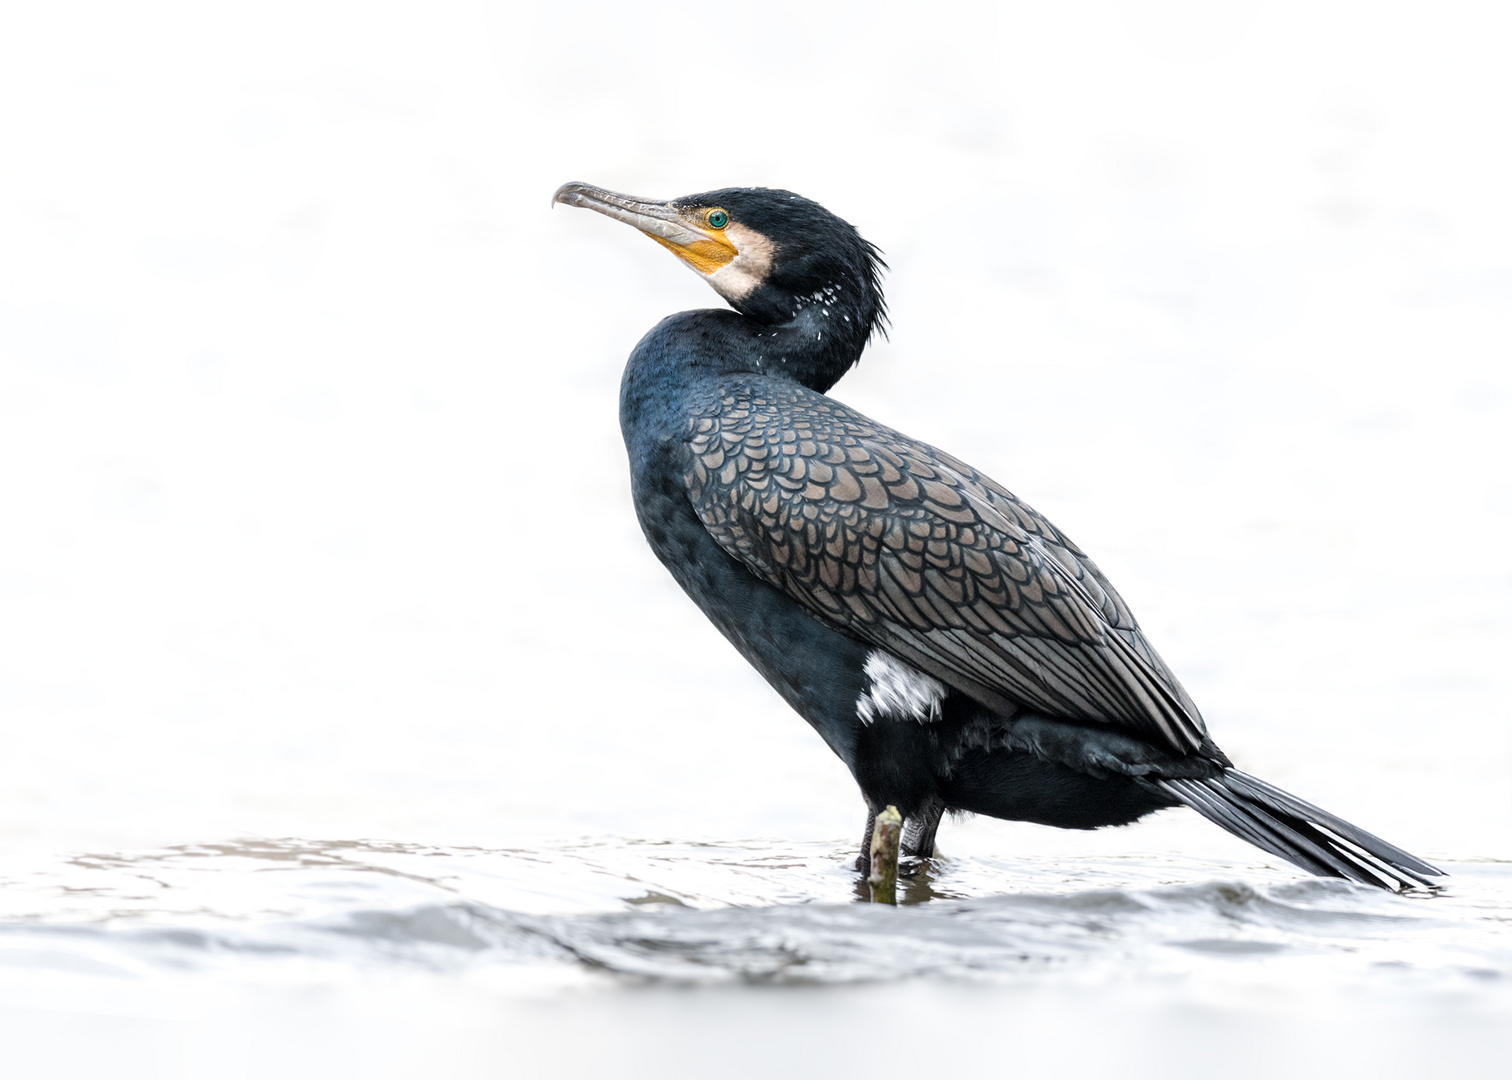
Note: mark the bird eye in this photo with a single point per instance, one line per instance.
(718, 219)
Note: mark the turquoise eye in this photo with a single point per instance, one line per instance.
(718, 219)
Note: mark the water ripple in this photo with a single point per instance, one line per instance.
(734, 913)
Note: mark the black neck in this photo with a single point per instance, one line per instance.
(812, 337)
(684, 349)
(814, 348)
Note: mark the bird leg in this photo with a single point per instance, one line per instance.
(883, 878)
(863, 860)
(919, 836)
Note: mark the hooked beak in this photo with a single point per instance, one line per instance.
(704, 250)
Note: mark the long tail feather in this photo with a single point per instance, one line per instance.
(1299, 832)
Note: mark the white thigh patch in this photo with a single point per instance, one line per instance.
(898, 691)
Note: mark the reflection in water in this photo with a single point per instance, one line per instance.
(916, 883)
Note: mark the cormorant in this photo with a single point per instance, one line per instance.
(955, 649)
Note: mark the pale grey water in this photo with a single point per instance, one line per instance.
(348, 727)
(195, 942)
(739, 913)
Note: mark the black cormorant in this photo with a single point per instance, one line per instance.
(955, 649)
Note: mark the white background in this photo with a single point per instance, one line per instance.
(314, 519)
(314, 507)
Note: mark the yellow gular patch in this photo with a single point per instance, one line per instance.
(705, 255)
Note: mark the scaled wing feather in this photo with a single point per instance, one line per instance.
(908, 548)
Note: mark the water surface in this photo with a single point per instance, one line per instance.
(189, 938)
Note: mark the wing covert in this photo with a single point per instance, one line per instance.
(915, 551)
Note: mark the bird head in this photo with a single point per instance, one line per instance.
(771, 254)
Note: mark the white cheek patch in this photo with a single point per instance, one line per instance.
(898, 691)
(742, 275)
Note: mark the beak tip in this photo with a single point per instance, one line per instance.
(567, 193)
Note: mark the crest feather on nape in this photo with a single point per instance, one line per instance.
(875, 267)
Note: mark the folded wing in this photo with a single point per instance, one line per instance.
(907, 548)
